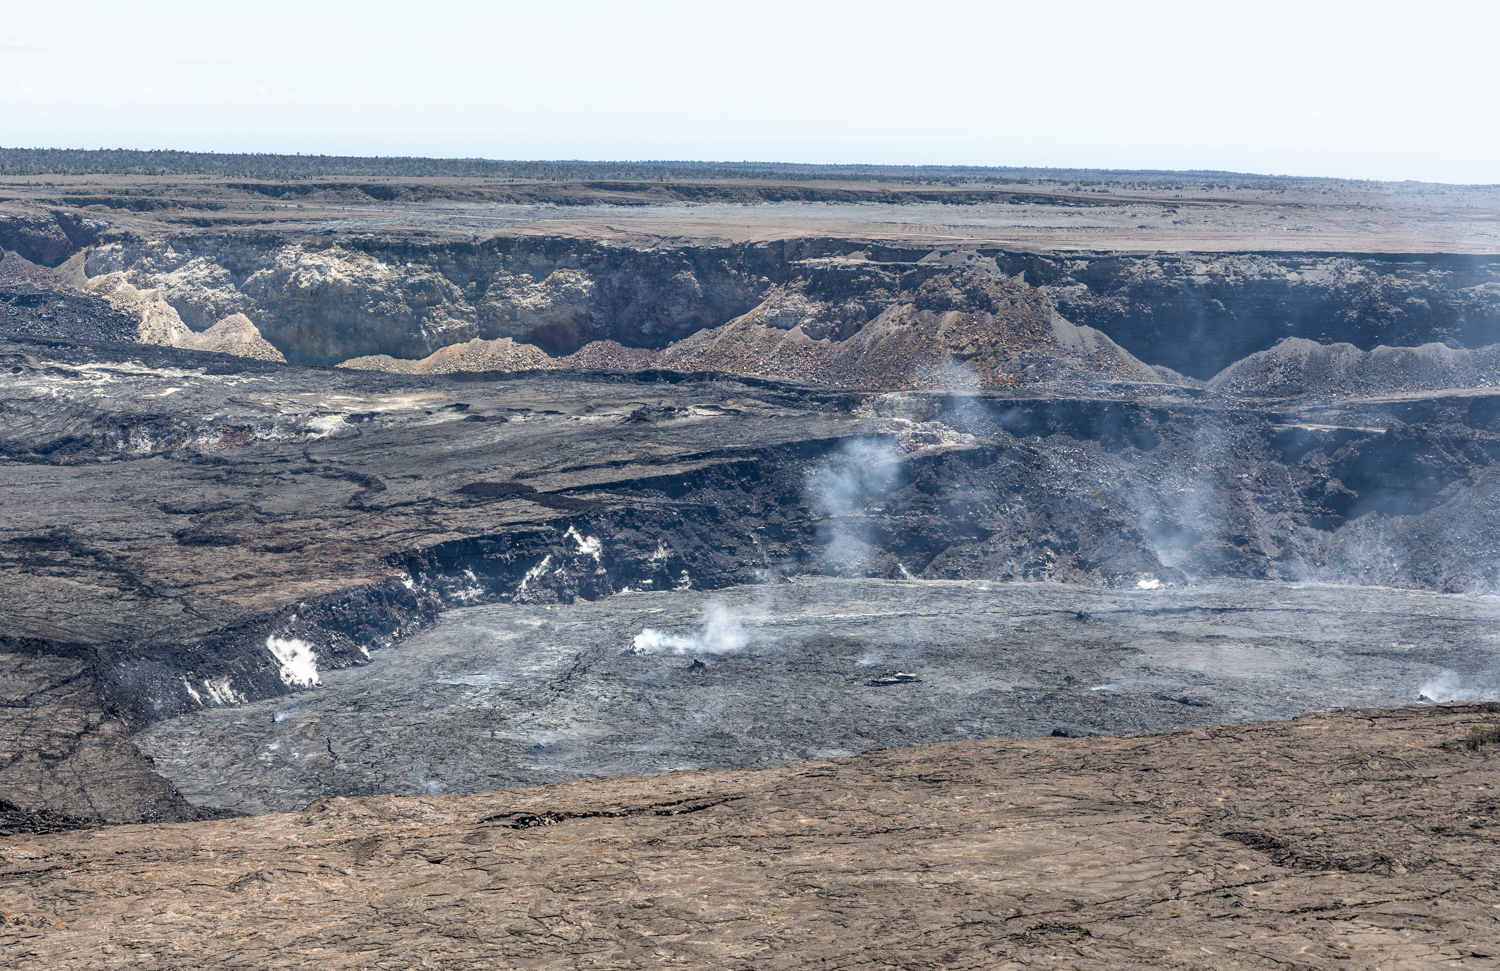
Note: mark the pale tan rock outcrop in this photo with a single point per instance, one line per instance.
(963, 334)
(1298, 366)
(950, 333)
(159, 321)
(201, 291)
(502, 354)
(338, 302)
(235, 335)
(161, 324)
(555, 309)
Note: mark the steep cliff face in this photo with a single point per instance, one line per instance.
(158, 322)
(323, 303)
(1199, 313)
(955, 331)
(47, 237)
(326, 300)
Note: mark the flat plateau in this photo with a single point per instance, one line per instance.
(1359, 839)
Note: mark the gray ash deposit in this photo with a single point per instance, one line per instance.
(501, 696)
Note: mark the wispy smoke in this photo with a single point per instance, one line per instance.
(1448, 686)
(957, 378)
(421, 784)
(721, 633)
(840, 492)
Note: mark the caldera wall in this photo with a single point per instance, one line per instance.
(328, 299)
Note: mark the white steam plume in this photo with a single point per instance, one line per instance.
(957, 378)
(1448, 686)
(839, 491)
(721, 633)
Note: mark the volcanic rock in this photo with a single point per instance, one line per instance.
(502, 354)
(1360, 839)
(36, 237)
(1298, 367)
(759, 385)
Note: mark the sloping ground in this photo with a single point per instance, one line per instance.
(1362, 839)
(61, 754)
(49, 316)
(158, 322)
(963, 331)
(502, 354)
(1300, 367)
(235, 335)
(611, 355)
(15, 270)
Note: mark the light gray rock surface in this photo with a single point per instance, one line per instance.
(509, 695)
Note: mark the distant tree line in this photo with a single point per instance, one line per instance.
(119, 161)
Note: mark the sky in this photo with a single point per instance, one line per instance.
(1369, 90)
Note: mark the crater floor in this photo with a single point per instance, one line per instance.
(508, 695)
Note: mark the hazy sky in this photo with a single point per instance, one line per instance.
(1365, 90)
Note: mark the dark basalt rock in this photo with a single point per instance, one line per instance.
(52, 316)
(15, 821)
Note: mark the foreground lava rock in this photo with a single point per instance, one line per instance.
(1360, 839)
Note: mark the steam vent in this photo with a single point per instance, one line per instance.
(586, 568)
